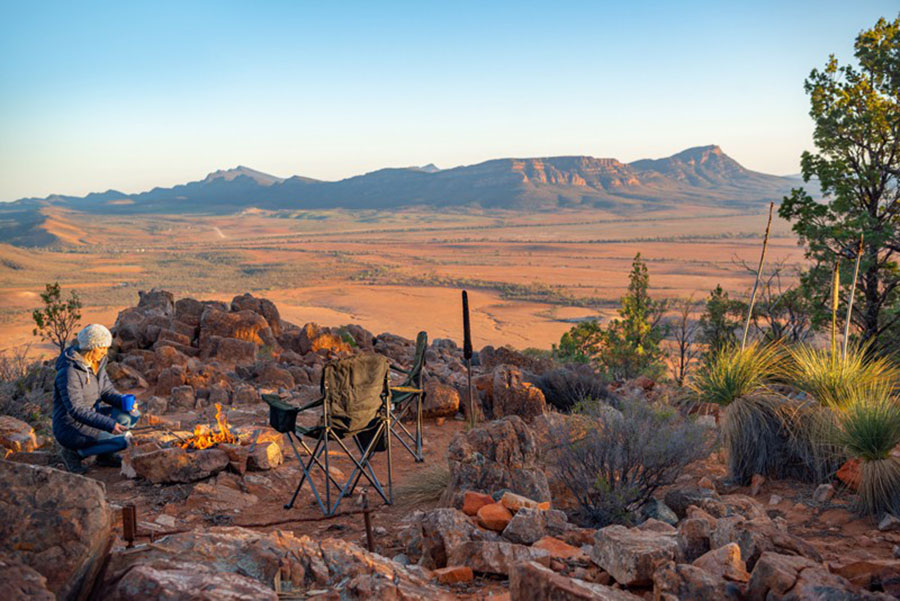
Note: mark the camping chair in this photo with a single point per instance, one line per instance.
(409, 396)
(355, 405)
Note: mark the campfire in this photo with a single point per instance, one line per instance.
(205, 437)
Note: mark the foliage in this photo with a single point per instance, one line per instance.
(731, 373)
(58, 319)
(629, 346)
(720, 321)
(869, 428)
(856, 115)
(782, 312)
(566, 387)
(26, 389)
(758, 431)
(835, 381)
(427, 487)
(613, 460)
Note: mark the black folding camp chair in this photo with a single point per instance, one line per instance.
(355, 404)
(407, 397)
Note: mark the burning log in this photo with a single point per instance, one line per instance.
(204, 437)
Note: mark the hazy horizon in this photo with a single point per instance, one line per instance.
(130, 97)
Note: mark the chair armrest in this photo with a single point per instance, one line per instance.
(397, 368)
(409, 389)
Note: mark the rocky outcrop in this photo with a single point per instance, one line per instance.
(174, 464)
(298, 564)
(441, 400)
(778, 577)
(675, 581)
(187, 582)
(57, 523)
(433, 536)
(16, 436)
(530, 581)
(514, 396)
(21, 582)
(631, 555)
(489, 557)
(500, 454)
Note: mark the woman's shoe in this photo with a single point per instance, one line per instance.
(72, 461)
(108, 460)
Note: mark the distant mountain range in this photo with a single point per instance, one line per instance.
(700, 176)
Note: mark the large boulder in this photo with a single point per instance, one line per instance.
(676, 581)
(757, 536)
(231, 351)
(174, 464)
(21, 582)
(778, 577)
(514, 396)
(489, 557)
(530, 581)
(490, 358)
(57, 523)
(529, 525)
(243, 325)
(631, 555)
(501, 454)
(16, 436)
(263, 306)
(440, 400)
(308, 564)
(186, 582)
(431, 537)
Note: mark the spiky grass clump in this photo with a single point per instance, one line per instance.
(732, 373)
(425, 488)
(834, 381)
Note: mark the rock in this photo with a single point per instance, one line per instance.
(454, 574)
(693, 537)
(313, 338)
(530, 581)
(849, 473)
(515, 502)
(265, 456)
(513, 396)
(175, 464)
(473, 501)
(756, 483)
(491, 358)
(440, 400)
(775, 574)
(529, 525)
(494, 517)
(654, 525)
(242, 325)
(775, 500)
(658, 510)
(889, 523)
(16, 436)
(679, 499)
(272, 376)
(495, 455)
(488, 557)
(872, 574)
(125, 377)
(705, 482)
(238, 455)
(431, 537)
(724, 562)
(244, 394)
(182, 397)
(631, 555)
(212, 497)
(231, 351)
(758, 536)
(262, 306)
(678, 581)
(156, 405)
(187, 582)
(896, 551)
(21, 582)
(349, 572)
(169, 378)
(823, 493)
(559, 549)
(57, 523)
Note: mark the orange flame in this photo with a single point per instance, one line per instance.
(204, 437)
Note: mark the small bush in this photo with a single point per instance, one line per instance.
(869, 428)
(566, 387)
(731, 373)
(834, 381)
(426, 487)
(26, 389)
(613, 460)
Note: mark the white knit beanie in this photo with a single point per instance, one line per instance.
(94, 336)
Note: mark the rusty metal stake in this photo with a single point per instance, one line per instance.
(129, 524)
(370, 540)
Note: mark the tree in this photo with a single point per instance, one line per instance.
(720, 321)
(629, 346)
(684, 332)
(59, 318)
(856, 114)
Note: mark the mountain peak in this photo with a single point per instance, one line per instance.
(263, 179)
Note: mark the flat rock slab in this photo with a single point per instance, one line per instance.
(630, 555)
(175, 464)
(530, 581)
(488, 557)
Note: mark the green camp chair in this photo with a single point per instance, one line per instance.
(355, 404)
(407, 397)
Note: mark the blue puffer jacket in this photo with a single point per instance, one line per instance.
(75, 423)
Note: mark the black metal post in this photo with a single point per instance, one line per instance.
(467, 354)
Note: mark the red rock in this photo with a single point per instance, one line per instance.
(872, 574)
(557, 548)
(705, 482)
(440, 400)
(849, 473)
(494, 517)
(473, 501)
(724, 562)
(513, 396)
(16, 435)
(530, 581)
(756, 483)
(454, 574)
(515, 502)
(21, 582)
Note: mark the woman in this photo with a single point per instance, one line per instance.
(89, 416)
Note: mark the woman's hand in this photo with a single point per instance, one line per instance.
(119, 429)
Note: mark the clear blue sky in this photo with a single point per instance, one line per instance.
(128, 95)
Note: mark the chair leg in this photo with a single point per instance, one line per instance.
(306, 475)
(419, 457)
(360, 470)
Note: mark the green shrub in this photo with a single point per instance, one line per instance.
(731, 373)
(834, 381)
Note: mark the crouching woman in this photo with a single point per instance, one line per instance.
(89, 416)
